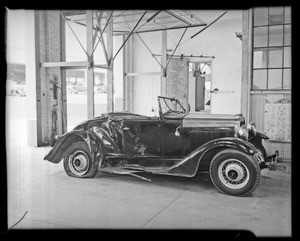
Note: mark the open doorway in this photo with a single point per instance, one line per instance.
(200, 85)
(77, 95)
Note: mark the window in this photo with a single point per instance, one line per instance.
(271, 48)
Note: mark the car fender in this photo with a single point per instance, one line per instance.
(66, 140)
(189, 165)
(263, 136)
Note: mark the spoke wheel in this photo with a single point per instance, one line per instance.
(234, 172)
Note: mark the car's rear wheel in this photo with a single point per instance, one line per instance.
(78, 161)
(234, 172)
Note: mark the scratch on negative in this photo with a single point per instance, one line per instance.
(166, 206)
(19, 220)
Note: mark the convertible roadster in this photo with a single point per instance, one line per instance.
(177, 143)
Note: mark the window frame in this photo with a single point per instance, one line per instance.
(267, 49)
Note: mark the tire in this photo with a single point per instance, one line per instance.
(78, 161)
(234, 172)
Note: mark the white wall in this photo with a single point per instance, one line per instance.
(143, 61)
(146, 88)
(15, 36)
(218, 40)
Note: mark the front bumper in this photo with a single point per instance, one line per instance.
(267, 162)
(259, 158)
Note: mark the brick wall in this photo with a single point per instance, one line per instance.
(50, 51)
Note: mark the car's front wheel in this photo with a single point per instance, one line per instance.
(78, 161)
(234, 172)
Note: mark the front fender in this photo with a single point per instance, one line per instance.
(262, 136)
(56, 153)
(189, 165)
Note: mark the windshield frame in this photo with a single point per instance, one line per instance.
(162, 98)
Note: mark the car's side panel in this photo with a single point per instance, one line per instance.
(193, 137)
(189, 165)
(141, 138)
(171, 145)
(106, 134)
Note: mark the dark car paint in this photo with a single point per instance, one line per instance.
(148, 142)
(257, 142)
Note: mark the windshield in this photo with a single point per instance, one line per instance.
(170, 105)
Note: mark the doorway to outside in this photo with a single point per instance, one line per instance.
(200, 83)
(77, 96)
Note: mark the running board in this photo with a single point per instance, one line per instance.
(122, 171)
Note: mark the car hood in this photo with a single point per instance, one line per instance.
(200, 119)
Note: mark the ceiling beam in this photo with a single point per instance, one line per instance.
(142, 73)
(178, 17)
(171, 28)
(77, 64)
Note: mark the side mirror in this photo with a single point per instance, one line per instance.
(177, 131)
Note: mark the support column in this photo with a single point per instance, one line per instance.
(33, 80)
(246, 63)
(163, 81)
(90, 69)
(44, 45)
(63, 77)
(128, 67)
(110, 76)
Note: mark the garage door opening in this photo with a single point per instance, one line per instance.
(76, 97)
(200, 86)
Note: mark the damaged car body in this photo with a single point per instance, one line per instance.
(175, 143)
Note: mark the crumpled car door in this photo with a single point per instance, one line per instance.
(141, 137)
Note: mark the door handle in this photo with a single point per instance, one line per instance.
(215, 90)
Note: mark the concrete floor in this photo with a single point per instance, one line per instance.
(54, 200)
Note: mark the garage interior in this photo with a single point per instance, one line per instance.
(64, 67)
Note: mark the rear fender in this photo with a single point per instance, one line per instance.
(56, 153)
(189, 165)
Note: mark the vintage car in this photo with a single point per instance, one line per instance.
(100, 88)
(176, 142)
(77, 88)
(14, 89)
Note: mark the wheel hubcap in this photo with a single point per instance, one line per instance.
(79, 163)
(233, 173)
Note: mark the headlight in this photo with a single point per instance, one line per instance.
(241, 132)
(251, 129)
